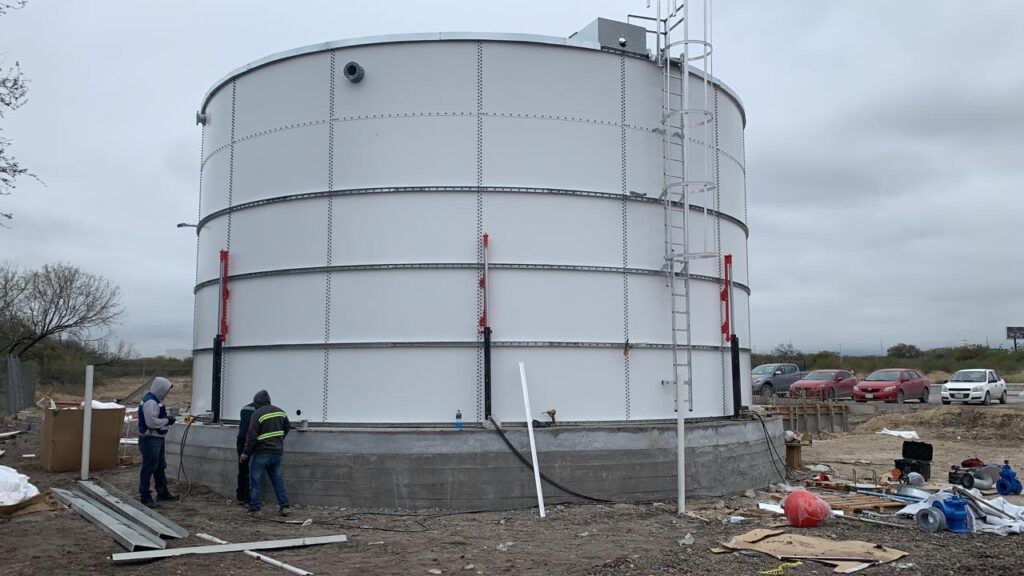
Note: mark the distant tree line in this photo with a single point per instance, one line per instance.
(948, 359)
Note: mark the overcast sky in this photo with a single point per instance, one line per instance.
(885, 148)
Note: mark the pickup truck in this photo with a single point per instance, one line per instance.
(774, 379)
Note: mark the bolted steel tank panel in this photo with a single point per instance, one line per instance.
(351, 183)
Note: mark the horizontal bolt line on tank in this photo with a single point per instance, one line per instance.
(464, 266)
(633, 196)
(461, 344)
(310, 123)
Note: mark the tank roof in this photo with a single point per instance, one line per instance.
(429, 37)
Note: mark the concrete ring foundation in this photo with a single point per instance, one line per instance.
(472, 469)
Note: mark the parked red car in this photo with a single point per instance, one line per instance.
(822, 384)
(892, 385)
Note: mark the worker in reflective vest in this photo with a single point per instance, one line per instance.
(264, 448)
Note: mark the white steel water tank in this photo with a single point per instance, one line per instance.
(351, 183)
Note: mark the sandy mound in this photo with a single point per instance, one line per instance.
(951, 422)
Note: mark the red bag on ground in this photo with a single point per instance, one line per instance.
(805, 510)
(972, 463)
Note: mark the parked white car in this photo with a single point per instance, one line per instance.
(975, 385)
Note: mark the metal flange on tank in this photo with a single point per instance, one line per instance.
(354, 72)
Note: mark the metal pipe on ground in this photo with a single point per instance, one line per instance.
(220, 548)
(260, 557)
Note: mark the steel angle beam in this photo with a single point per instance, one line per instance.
(124, 533)
(134, 511)
(217, 549)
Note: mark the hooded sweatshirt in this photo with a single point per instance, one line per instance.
(267, 427)
(153, 418)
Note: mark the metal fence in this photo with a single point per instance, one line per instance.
(17, 384)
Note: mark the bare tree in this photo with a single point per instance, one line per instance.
(13, 95)
(57, 300)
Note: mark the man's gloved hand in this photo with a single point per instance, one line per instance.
(243, 458)
(171, 420)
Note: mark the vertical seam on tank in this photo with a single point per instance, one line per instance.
(746, 237)
(330, 236)
(720, 251)
(479, 223)
(625, 233)
(227, 241)
(199, 217)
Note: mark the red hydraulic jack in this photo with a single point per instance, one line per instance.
(729, 333)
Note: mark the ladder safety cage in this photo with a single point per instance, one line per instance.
(684, 50)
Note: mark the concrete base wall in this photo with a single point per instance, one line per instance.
(473, 469)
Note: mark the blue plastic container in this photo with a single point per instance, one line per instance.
(458, 419)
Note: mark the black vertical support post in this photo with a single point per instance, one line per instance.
(218, 352)
(737, 400)
(487, 373)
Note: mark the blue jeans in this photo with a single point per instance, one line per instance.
(153, 465)
(271, 462)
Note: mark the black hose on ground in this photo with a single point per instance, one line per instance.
(529, 465)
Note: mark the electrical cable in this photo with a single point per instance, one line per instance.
(772, 451)
(529, 465)
(181, 462)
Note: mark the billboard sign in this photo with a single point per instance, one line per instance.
(1014, 332)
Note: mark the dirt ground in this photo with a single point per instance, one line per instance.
(630, 539)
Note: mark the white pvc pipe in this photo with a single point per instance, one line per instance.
(533, 443)
(87, 423)
(259, 556)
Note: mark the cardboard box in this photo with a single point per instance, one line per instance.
(61, 448)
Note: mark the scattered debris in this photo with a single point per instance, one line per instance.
(220, 548)
(14, 487)
(8, 435)
(504, 547)
(260, 557)
(42, 502)
(28, 455)
(468, 567)
(686, 540)
(739, 520)
(778, 570)
(307, 522)
(377, 543)
(434, 571)
(905, 434)
(846, 556)
(904, 565)
(805, 510)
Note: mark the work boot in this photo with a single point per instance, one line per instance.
(150, 503)
(284, 510)
(166, 497)
(254, 512)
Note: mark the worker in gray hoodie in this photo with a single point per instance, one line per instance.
(153, 425)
